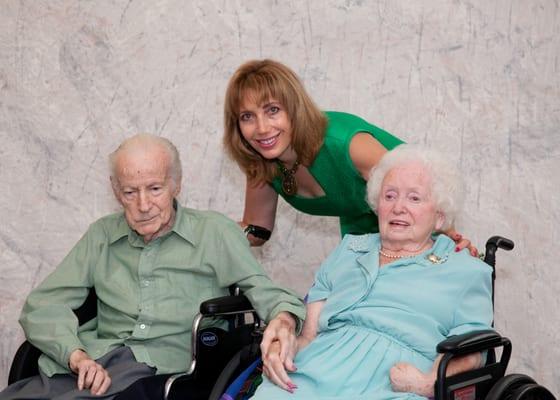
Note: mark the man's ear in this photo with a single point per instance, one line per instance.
(115, 187)
(177, 189)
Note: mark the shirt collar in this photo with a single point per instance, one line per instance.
(182, 226)
(370, 244)
(121, 231)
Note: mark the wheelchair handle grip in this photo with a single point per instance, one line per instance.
(492, 245)
(500, 242)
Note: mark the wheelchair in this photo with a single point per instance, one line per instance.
(212, 347)
(223, 358)
(489, 382)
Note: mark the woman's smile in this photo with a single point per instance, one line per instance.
(268, 142)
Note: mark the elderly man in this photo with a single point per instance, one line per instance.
(151, 266)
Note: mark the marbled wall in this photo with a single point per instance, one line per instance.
(478, 79)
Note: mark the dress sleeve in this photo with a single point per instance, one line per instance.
(47, 317)
(322, 285)
(474, 307)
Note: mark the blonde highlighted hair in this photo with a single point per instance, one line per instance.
(264, 80)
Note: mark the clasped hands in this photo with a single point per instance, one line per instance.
(279, 347)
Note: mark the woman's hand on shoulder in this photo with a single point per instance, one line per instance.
(365, 153)
(461, 242)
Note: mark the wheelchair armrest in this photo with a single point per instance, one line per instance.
(226, 305)
(470, 342)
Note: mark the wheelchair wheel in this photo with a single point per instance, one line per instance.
(514, 387)
(532, 391)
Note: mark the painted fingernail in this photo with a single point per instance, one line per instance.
(457, 249)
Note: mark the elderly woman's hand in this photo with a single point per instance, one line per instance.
(278, 348)
(461, 242)
(276, 369)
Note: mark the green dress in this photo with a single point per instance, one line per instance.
(344, 187)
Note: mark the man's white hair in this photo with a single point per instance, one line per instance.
(446, 187)
(146, 140)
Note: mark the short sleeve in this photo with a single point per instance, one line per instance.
(474, 308)
(322, 285)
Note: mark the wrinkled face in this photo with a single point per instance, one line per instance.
(406, 208)
(266, 127)
(146, 191)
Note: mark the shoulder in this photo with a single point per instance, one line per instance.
(111, 226)
(353, 246)
(360, 243)
(208, 220)
(465, 261)
(459, 262)
(344, 121)
(472, 268)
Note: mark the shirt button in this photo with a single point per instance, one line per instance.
(142, 326)
(145, 283)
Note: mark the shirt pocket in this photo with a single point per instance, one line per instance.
(182, 288)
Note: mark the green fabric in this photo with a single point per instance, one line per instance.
(344, 187)
(148, 294)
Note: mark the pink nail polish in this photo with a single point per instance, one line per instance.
(457, 249)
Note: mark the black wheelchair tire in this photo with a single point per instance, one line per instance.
(507, 385)
(532, 391)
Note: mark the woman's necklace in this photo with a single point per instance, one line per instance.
(289, 183)
(395, 256)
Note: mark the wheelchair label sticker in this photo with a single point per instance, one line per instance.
(466, 393)
(209, 339)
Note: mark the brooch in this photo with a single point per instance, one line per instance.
(436, 259)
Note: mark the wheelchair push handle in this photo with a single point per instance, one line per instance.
(493, 244)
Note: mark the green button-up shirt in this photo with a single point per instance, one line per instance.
(148, 293)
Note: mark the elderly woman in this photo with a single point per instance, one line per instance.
(382, 302)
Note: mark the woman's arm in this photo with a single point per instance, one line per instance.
(406, 377)
(365, 153)
(310, 325)
(261, 201)
(277, 362)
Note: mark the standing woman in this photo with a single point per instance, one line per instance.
(317, 161)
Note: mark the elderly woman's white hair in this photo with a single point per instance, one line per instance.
(446, 188)
(143, 140)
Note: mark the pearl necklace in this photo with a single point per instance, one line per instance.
(396, 257)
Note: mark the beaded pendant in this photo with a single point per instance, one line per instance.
(289, 183)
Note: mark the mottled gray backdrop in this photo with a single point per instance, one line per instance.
(477, 79)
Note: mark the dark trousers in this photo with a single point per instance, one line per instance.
(152, 388)
(119, 363)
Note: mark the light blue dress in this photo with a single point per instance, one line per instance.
(375, 317)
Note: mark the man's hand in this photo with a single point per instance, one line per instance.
(278, 348)
(91, 375)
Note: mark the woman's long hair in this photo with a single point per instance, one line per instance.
(265, 80)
